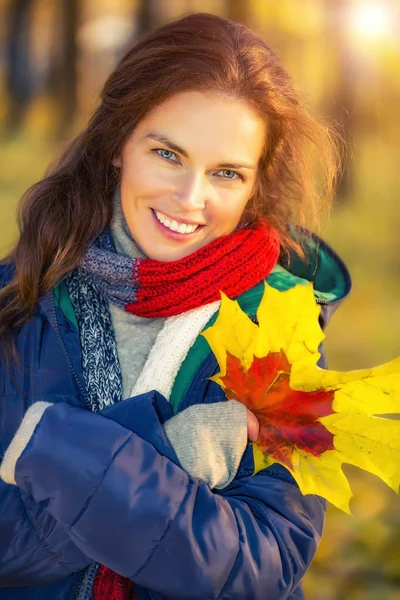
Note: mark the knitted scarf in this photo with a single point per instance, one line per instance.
(149, 288)
(233, 264)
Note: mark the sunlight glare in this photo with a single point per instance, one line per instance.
(370, 20)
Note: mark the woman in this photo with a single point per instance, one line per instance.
(124, 469)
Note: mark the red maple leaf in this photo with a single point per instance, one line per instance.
(288, 418)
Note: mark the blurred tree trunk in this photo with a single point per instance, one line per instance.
(150, 15)
(67, 78)
(19, 72)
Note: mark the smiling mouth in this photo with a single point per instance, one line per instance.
(173, 225)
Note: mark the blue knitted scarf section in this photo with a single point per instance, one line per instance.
(100, 364)
(115, 275)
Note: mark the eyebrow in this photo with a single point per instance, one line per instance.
(172, 146)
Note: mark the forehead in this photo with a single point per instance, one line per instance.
(210, 122)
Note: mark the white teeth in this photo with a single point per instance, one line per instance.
(174, 225)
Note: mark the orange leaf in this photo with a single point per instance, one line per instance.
(288, 418)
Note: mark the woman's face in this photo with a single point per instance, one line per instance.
(188, 171)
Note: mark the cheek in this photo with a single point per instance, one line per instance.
(230, 207)
(146, 179)
(136, 184)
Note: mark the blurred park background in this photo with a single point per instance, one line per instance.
(345, 56)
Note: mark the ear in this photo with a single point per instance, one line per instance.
(116, 162)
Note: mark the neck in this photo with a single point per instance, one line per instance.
(122, 237)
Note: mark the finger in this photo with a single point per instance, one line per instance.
(253, 426)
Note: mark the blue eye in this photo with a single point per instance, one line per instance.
(228, 174)
(166, 154)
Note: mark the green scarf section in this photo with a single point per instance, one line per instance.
(63, 301)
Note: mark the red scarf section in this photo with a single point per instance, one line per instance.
(111, 586)
(232, 264)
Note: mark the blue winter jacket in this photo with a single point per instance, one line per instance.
(107, 487)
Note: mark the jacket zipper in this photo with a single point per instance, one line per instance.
(77, 588)
(70, 363)
(331, 302)
(78, 585)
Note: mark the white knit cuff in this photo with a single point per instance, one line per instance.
(20, 440)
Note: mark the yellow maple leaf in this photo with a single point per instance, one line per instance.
(311, 420)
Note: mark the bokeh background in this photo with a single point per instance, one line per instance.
(345, 57)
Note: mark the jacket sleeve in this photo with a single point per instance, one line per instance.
(113, 481)
(35, 549)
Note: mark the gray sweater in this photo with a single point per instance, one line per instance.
(134, 335)
(209, 440)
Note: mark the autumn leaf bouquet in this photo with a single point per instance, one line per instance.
(312, 420)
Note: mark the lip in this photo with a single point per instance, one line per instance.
(175, 235)
(177, 219)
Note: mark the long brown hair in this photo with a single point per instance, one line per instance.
(64, 212)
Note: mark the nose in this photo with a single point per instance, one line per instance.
(191, 194)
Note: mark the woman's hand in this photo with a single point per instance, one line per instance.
(253, 426)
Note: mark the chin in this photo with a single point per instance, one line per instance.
(169, 256)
